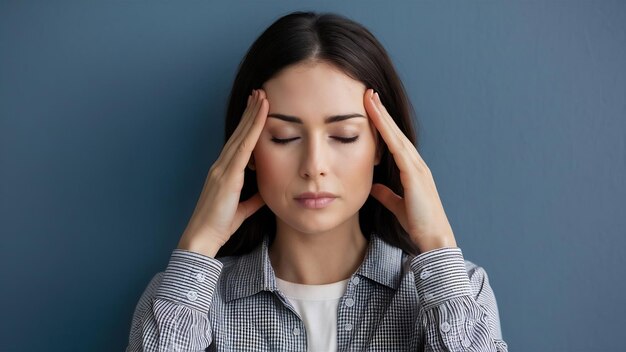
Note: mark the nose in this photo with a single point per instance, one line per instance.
(314, 163)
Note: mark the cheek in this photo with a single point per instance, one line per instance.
(268, 169)
(355, 168)
(361, 163)
(364, 154)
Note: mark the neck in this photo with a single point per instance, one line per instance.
(317, 258)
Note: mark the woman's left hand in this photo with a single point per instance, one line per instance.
(420, 212)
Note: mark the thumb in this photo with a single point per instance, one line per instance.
(248, 207)
(386, 196)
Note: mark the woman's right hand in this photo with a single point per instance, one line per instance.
(218, 213)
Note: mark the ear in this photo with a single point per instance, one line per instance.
(251, 165)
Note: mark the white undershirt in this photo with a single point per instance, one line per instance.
(317, 305)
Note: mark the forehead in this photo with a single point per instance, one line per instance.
(314, 91)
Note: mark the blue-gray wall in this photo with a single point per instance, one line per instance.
(111, 115)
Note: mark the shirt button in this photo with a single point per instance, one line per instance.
(192, 295)
(445, 327)
(200, 277)
(296, 331)
(466, 342)
(425, 274)
(429, 296)
(349, 302)
(356, 280)
(347, 327)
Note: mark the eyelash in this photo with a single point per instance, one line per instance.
(340, 139)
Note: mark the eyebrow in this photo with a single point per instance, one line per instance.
(330, 119)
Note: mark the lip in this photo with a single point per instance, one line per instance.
(318, 200)
(315, 195)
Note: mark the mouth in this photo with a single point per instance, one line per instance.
(318, 200)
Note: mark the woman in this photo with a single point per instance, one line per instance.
(285, 249)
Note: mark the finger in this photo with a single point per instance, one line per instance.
(387, 118)
(242, 125)
(381, 124)
(386, 197)
(230, 148)
(243, 150)
(248, 119)
(251, 112)
(246, 125)
(396, 141)
(407, 143)
(390, 122)
(233, 136)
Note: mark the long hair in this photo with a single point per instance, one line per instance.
(307, 36)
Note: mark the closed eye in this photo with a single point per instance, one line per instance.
(347, 140)
(283, 141)
(340, 139)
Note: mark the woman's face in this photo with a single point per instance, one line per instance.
(305, 153)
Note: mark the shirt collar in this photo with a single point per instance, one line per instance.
(253, 272)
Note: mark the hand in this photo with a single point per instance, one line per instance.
(218, 213)
(420, 212)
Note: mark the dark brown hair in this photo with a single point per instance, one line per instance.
(306, 36)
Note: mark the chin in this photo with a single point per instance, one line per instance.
(312, 222)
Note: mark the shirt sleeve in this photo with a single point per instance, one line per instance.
(459, 310)
(172, 313)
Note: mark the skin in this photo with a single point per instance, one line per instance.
(325, 245)
(316, 246)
